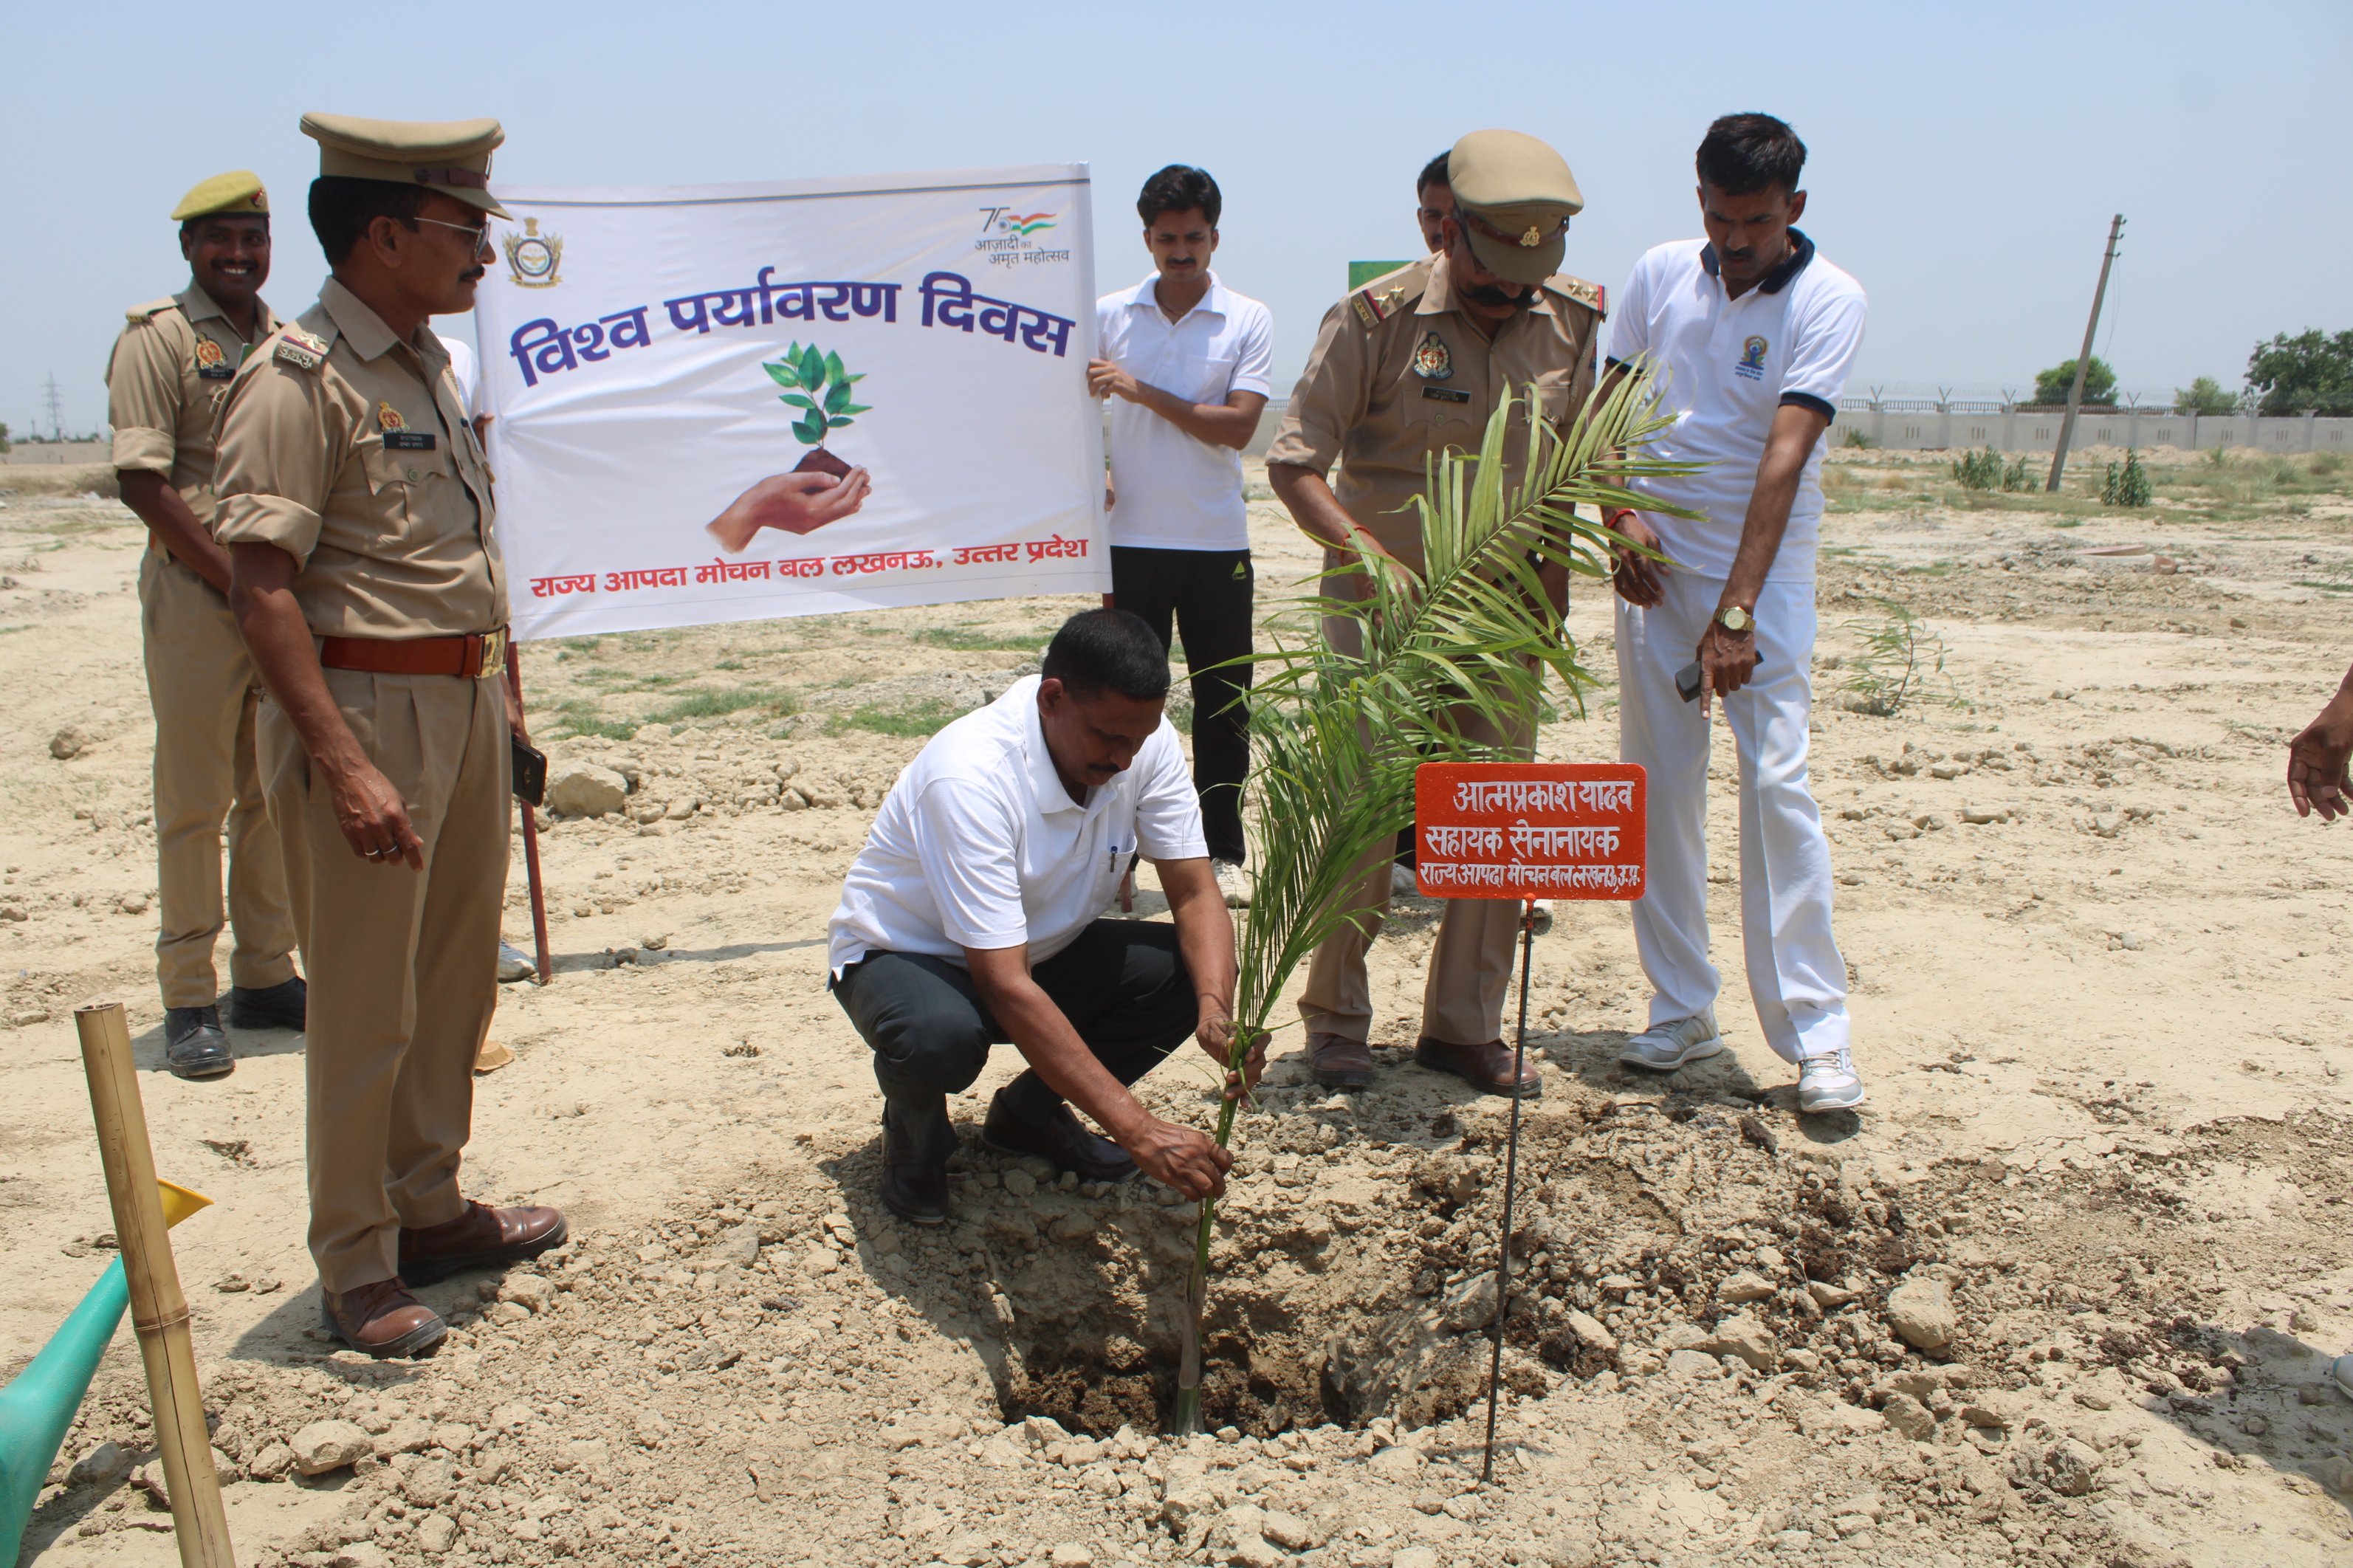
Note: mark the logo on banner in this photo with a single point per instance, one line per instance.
(533, 256)
(1008, 236)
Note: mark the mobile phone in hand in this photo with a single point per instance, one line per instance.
(1688, 681)
(530, 771)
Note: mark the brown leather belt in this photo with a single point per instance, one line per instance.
(473, 656)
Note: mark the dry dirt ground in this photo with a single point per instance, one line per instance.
(2099, 999)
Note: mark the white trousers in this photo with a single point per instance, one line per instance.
(1795, 973)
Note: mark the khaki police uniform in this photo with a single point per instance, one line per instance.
(349, 449)
(168, 371)
(1399, 372)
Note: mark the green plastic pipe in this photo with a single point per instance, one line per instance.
(36, 1409)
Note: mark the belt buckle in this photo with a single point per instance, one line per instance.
(493, 655)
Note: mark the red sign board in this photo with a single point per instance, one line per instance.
(1530, 830)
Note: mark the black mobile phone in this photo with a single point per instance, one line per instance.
(530, 771)
(1688, 681)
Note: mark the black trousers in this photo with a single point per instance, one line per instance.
(1123, 984)
(1208, 594)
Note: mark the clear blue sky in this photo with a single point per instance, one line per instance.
(1965, 158)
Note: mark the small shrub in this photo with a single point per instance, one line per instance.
(1902, 662)
(2127, 483)
(2015, 478)
(1978, 470)
(1854, 437)
(2327, 463)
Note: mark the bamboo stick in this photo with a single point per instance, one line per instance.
(159, 1312)
(530, 829)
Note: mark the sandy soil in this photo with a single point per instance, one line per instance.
(2105, 1029)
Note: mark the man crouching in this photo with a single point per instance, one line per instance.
(973, 918)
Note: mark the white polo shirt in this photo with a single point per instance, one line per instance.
(1175, 491)
(978, 845)
(1731, 364)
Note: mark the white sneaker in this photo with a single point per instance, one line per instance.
(1664, 1047)
(1828, 1083)
(1232, 883)
(515, 965)
(2340, 1372)
(1402, 882)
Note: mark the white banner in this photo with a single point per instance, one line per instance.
(667, 365)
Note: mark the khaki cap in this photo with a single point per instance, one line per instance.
(452, 156)
(238, 190)
(1514, 195)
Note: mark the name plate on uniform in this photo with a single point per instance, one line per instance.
(1446, 394)
(408, 440)
(1530, 830)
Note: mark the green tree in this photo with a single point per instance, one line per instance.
(2309, 371)
(2099, 382)
(4, 437)
(2203, 396)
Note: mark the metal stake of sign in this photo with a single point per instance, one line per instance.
(1510, 1189)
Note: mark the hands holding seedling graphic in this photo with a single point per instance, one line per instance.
(822, 489)
(794, 503)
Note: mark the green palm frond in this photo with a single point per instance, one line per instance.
(1335, 736)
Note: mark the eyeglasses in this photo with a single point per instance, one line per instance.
(478, 233)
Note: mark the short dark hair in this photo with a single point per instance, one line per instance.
(1180, 188)
(1108, 650)
(1743, 153)
(1434, 172)
(343, 207)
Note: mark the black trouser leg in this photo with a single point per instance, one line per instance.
(1209, 595)
(1125, 988)
(1123, 984)
(1214, 618)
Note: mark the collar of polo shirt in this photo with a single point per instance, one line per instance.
(1802, 251)
(1044, 777)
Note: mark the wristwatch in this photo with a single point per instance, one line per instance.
(1732, 618)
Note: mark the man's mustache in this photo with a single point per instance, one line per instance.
(472, 274)
(1491, 294)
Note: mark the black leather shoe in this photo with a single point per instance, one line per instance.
(285, 1006)
(917, 1139)
(194, 1045)
(1058, 1139)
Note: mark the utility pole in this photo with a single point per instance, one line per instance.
(56, 410)
(2084, 359)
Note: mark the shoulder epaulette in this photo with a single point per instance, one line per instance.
(300, 348)
(1390, 292)
(140, 315)
(1592, 296)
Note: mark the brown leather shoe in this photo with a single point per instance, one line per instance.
(1337, 1061)
(1487, 1067)
(382, 1320)
(481, 1237)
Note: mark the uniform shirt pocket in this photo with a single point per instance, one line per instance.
(403, 483)
(1557, 390)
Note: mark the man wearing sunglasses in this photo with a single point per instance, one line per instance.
(1413, 365)
(357, 508)
(169, 369)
